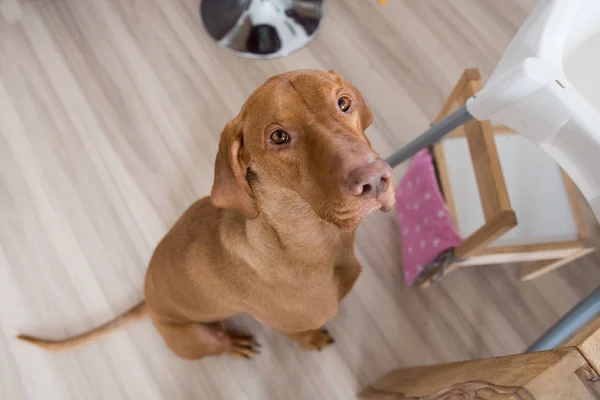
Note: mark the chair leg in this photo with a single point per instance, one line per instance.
(538, 268)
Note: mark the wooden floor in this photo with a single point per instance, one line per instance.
(110, 112)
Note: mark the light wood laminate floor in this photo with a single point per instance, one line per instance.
(110, 112)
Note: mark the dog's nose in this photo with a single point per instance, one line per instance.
(370, 180)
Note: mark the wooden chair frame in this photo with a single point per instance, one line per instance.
(498, 214)
(569, 372)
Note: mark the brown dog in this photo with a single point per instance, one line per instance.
(294, 177)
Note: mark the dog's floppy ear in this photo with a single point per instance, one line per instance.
(366, 116)
(335, 74)
(230, 187)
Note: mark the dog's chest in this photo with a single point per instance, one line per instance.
(301, 283)
(299, 307)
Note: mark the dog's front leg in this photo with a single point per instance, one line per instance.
(313, 340)
(347, 273)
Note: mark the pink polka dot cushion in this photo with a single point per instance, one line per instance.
(424, 223)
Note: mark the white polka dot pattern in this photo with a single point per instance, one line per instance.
(424, 224)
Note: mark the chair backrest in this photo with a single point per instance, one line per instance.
(547, 87)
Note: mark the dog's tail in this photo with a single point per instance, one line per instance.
(132, 315)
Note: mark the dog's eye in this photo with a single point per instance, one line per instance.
(344, 103)
(280, 137)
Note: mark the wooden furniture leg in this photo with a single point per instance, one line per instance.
(499, 216)
(536, 269)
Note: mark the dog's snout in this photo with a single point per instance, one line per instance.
(369, 181)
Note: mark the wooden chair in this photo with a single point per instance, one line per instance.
(569, 372)
(481, 168)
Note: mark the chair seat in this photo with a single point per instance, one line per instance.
(535, 187)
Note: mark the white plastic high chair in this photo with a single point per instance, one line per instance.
(546, 87)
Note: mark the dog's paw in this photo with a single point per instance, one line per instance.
(242, 345)
(317, 340)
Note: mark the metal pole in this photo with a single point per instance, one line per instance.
(430, 136)
(579, 316)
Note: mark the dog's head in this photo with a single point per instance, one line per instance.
(304, 131)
